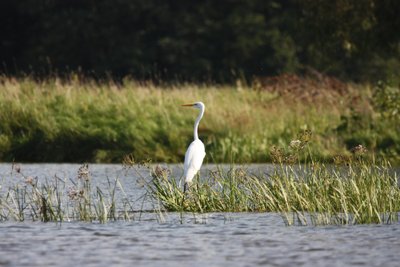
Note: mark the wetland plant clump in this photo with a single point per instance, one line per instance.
(352, 191)
(58, 200)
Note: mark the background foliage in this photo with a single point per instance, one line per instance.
(201, 40)
(74, 121)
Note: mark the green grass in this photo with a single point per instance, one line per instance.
(316, 194)
(75, 121)
(51, 200)
(358, 192)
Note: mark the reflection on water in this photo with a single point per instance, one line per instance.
(217, 239)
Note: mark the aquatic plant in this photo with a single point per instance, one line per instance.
(53, 200)
(352, 191)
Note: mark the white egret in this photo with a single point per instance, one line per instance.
(196, 152)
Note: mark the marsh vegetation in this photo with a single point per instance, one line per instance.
(77, 120)
(351, 191)
(354, 190)
(314, 133)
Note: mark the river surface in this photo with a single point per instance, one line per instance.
(214, 239)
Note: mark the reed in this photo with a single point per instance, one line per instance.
(352, 191)
(53, 201)
(357, 192)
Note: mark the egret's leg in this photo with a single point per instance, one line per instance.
(185, 187)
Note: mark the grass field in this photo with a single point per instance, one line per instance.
(78, 121)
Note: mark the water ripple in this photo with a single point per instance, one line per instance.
(217, 239)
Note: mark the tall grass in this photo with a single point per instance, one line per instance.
(59, 200)
(313, 193)
(75, 121)
(357, 192)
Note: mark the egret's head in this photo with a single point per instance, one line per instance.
(198, 105)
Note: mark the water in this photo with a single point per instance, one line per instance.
(216, 239)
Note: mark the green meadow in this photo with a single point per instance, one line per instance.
(73, 120)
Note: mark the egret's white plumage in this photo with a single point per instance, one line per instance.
(193, 159)
(196, 152)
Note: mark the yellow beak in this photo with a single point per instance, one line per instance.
(187, 105)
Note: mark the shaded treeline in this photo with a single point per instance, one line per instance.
(201, 40)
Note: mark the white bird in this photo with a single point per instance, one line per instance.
(196, 152)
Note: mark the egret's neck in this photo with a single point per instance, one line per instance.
(196, 124)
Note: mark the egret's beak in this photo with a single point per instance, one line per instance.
(188, 105)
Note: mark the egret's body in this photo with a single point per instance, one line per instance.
(196, 152)
(193, 159)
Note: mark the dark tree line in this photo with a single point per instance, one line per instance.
(201, 40)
